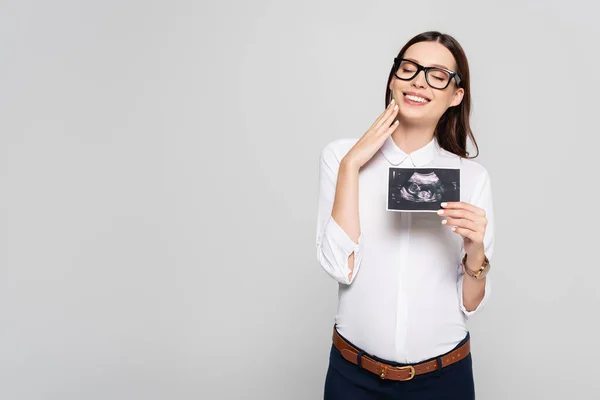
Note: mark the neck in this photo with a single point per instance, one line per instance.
(410, 137)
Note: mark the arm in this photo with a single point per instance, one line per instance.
(475, 222)
(472, 292)
(339, 241)
(339, 244)
(345, 205)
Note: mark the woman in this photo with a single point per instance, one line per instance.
(407, 280)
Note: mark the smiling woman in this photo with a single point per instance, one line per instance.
(407, 286)
(444, 87)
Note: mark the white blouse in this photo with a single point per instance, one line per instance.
(404, 302)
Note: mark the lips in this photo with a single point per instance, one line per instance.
(416, 97)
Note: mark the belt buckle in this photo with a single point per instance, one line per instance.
(409, 367)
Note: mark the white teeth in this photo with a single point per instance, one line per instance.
(415, 98)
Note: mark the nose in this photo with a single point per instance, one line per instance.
(419, 80)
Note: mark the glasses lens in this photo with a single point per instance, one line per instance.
(406, 70)
(438, 78)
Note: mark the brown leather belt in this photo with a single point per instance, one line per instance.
(403, 373)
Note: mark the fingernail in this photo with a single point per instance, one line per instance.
(444, 222)
(453, 228)
(444, 204)
(396, 107)
(392, 101)
(440, 212)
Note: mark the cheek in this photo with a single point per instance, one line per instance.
(440, 97)
(397, 86)
(442, 103)
(447, 99)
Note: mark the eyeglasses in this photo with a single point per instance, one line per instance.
(436, 77)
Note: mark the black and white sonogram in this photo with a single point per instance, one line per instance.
(422, 189)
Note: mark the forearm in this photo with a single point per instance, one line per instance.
(473, 289)
(345, 204)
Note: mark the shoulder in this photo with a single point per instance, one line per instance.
(470, 169)
(474, 170)
(334, 151)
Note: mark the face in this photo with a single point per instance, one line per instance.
(433, 102)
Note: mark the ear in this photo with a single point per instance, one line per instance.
(458, 96)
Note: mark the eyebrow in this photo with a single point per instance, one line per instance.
(432, 65)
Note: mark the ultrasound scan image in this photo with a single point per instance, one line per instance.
(422, 189)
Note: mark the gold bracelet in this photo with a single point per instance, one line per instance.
(481, 272)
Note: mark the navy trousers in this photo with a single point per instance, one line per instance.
(348, 381)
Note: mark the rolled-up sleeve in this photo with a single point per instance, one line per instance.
(482, 198)
(334, 246)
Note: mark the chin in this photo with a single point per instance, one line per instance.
(413, 115)
(416, 114)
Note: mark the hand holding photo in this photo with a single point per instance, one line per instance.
(422, 189)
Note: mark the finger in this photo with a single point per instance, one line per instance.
(392, 128)
(381, 116)
(469, 234)
(390, 112)
(465, 206)
(460, 213)
(463, 223)
(380, 138)
(388, 123)
(387, 120)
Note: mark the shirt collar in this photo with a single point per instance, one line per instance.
(418, 158)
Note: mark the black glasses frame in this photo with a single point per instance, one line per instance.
(453, 75)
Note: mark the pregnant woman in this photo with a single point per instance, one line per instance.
(408, 281)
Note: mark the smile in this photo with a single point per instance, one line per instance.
(416, 99)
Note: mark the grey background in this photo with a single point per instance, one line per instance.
(158, 176)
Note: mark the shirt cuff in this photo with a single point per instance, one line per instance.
(345, 247)
(481, 304)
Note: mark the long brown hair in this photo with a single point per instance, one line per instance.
(454, 126)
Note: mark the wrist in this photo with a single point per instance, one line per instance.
(475, 268)
(475, 258)
(473, 262)
(349, 164)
